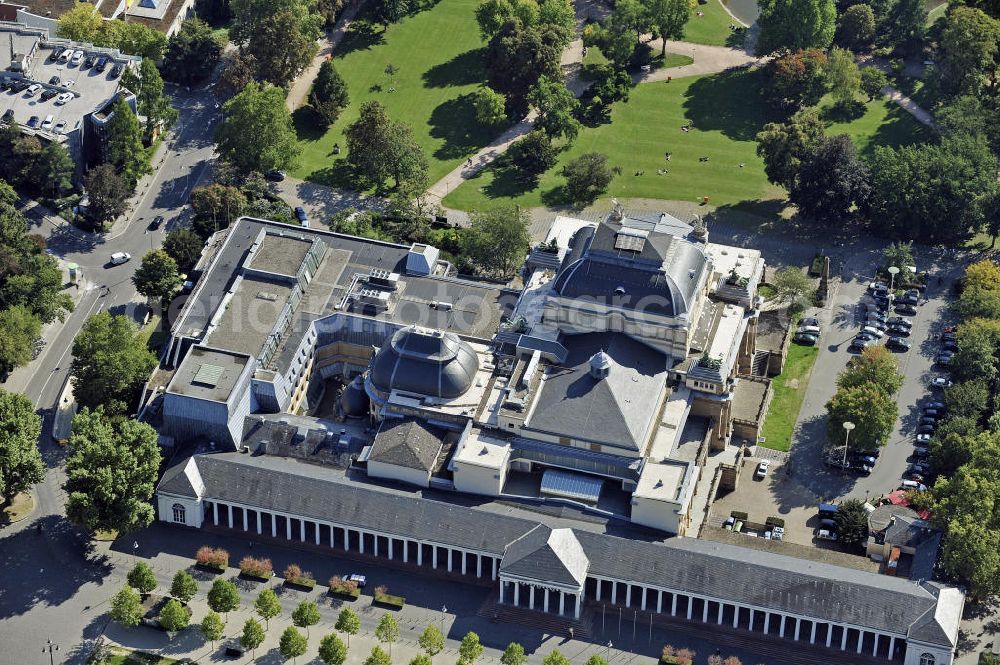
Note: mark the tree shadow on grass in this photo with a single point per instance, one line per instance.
(899, 129)
(339, 174)
(308, 124)
(362, 35)
(464, 69)
(729, 102)
(508, 182)
(750, 214)
(455, 122)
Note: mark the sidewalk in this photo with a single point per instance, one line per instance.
(303, 82)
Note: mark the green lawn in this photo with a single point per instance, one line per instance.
(712, 27)
(438, 53)
(884, 123)
(935, 10)
(726, 115)
(789, 391)
(122, 656)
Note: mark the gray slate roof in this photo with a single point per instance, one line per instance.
(547, 554)
(781, 583)
(407, 442)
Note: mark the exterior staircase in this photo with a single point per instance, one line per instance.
(549, 624)
(759, 365)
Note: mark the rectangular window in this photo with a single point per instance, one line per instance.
(596, 447)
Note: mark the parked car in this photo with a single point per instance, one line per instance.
(809, 321)
(155, 224)
(940, 382)
(102, 63)
(32, 90)
(300, 214)
(8, 115)
(872, 331)
(805, 339)
(60, 127)
(762, 467)
(55, 80)
(77, 58)
(876, 324)
(878, 287)
(908, 299)
(906, 310)
(119, 258)
(56, 52)
(925, 429)
(866, 336)
(912, 485)
(47, 123)
(933, 413)
(117, 70)
(825, 534)
(944, 359)
(63, 98)
(48, 94)
(859, 345)
(355, 577)
(897, 344)
(811, 330)
(899, 331)
(33, 122)
(728, 524)
(274, 175)
(923, 438)
(88, 61)
(949, 346)
(935, 405)
(927, 420)
(900, 321)
(919, 451)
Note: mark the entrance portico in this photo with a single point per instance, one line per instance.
(545, 570)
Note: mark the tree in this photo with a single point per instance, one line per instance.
(831, 181)
(332, 650)
(513, 655)
(796, 79)
(152, 103)
(560, 17)
(532, 155)
(967, 115)
(391, 11)
(497, 239)
(516, 57)
(240, 72)
(53, 170)
(981, 293)
(133, 38)
(431, 640)
(223, 597)
(379, 148)
(904, 26)
(967, 398)
(21, 464)
(596, 659)
(184, 247)
(971, 552)
(470, 649)
(968, 52)
(292, 644)
(875, 366)
(192, 53)
(795, 24)
(329, 93)
(249, 17)
(305, 615)
(557, 108)
(378, 657)
(491, 15)
(421, 659)
(267, 606)
(215, 206)
(281, 47)
(387, 631)
(126, 607)
(490, 106)
(212, 627)
(873, 80)
(183, 587)
(253, 634)
(555, 657)
(587, 177)
(793, 286)
(158, 276)
(174, 617)
(843, 75)
(19, 332)
(256, 133)
(852, 523)
(784, 147)
(668, 18)
(80, 24)
(872, 411)
(348, 623)
(110, 360)
(141, 578)
(124, 143)
(856, 28)
(107, 193)
(927, 191)
(111, 472)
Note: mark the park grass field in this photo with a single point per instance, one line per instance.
(712, 27)
(884, 123)
(789, 391)
(726, 117)
(439, 59)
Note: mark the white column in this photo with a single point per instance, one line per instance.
(736, 615)
(767, 621)
(531, 597)
(812, 633)
(798, 625)
(750, 625)
(642, 604)
(614, 592)
(390, 548)
(781, 633)
(578, 605)
(464, 557)
(246, 525)
(420, 554)
(258, 523)
(302, 531)
(673, 605)
(875, 646)
(597, 593)
(517, 593)
(288, 527)
(434, 562)
(628, 596)
(843, 640)
(361, 542)
(704, 610)
(479, 565)
(449, 558)
(829, 634)
(494, 576)
(406, 551)
(562, 603)
(659, 601)
(861, 639)
(690, 607)
(375, 541)
(722, 606)
(215, 512)
(892, 646)
(332, 531)
(545, 601)
(230, 506)
(316, 524)
(274, 525)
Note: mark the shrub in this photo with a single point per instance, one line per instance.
(339, 585)
(738, 515)
(381, 589)
(256, 567)
(295, 575)
(213, 557)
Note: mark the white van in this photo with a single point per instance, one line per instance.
(912, 485)
(47, 123)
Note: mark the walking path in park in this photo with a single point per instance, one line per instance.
(922, 115)
(303, 82)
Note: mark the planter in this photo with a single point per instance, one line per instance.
(346, 594)
(816, 267)
(210, 567)
(303, 583)
(253, 577)
(388, 600)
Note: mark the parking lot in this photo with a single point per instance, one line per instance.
(794, 487)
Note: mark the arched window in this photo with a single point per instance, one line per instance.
(927, 659)
(179, 517)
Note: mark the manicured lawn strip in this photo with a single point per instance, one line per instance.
(884, 123)
(712, 27)
(726, 114)
(935, 10)
(787, 399)
(128, 657)
(439, 59)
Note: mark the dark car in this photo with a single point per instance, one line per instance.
(900, 321)
(899, 331)
(949, 346)
(925, 429)
(897, 343)
(8, 115)
(274, 175)
(33, 122)
(865, 336)
(933, 413)
(928, 420)
(48, 94)
(116, 71)
(300, 214)
(156, 223)
(805, 339)
(20, 86)
(908, 300)
(809, 321)
(55, 80)
(89, 60)
(906, 310)
(56, 52)
(102, 63)
(935, 405)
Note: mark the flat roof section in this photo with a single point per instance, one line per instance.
(250, 315)
(661, 482)
(281, 254)
(209, 374)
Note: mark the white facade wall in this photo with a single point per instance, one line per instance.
(417, 477)
(916, 654)
(658, 514)
(478, 479)
(192, 509)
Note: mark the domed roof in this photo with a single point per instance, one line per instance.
(425, 362)
(354, 401)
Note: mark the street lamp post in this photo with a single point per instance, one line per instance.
(50, 647)
(444, 610)
(893, 271)
(848, 426)
(609, 651)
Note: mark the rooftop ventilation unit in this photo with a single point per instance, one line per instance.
(373, 298)
(442, 305)
(383, 278)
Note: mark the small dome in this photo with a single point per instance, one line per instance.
(600, 365)
(425, 362)
(354, 400)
